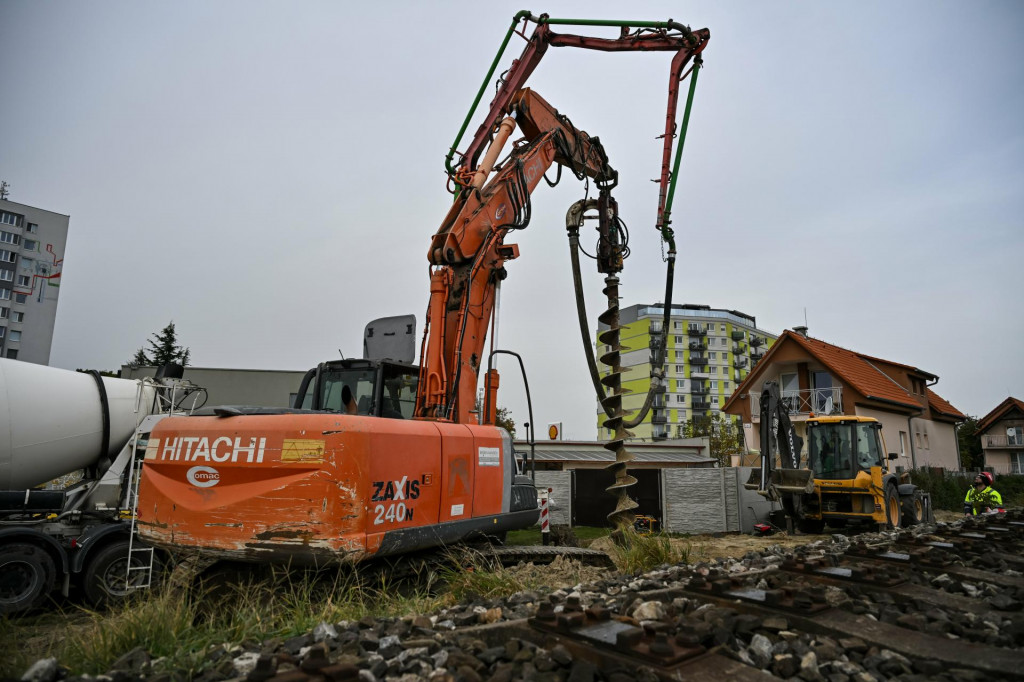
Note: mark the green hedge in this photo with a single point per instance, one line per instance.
(948, 491)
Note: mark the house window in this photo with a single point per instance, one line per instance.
(4, 312)
(714, 385)
(8, 218)
(678, 325)
(7, 256)
(925, 437)
(713, 355)
(903, 443)
(3, 330)
(1016, 462)
(31, 228)
(6, 275)
(30, 244)
(1015, 435)
(24, 281)
(5, 294)
(917, 438)
(679, 340)
(679, 369)
(10, 238)
(17, 317)
(680, 398)
(15, 335)
(713, 370)
(710, 326)
(725, 385)
(12, 353)
(20, 298)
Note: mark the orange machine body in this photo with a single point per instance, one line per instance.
(318, 488)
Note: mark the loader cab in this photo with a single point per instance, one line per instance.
(840, 447)
(380, 388)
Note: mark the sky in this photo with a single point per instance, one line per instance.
(268, 175)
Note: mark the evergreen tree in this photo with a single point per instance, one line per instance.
(163, 349)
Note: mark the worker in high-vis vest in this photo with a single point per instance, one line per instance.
(982, 497)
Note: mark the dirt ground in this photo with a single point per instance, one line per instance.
(697, 547)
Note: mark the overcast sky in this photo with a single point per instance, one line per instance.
(269, 174)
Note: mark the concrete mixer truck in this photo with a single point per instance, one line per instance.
(68, 472)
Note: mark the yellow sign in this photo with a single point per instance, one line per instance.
(553, 431)
(300, 450)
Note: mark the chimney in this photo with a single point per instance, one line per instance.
(802, 331)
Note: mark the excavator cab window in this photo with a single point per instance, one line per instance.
(360, 382)
(838, 450)
(398, 394)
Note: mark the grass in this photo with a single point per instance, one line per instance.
(532, 536)
(635, 553)
(183, 629)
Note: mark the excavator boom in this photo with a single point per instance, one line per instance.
(468, 251)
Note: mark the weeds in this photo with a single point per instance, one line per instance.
(183, 629)
(636, 553)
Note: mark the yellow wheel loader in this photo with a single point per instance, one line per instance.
(844, 478)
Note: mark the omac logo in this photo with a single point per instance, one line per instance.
(203, 477)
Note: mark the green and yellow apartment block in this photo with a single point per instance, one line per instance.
(706, 352)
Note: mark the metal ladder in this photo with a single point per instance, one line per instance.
(139, 572)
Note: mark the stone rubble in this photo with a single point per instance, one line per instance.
(441, 648)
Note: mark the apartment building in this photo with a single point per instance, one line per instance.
(32, 242)
(706, 351)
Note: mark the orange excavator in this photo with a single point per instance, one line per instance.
(416, 464)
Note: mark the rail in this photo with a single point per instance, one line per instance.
(818, 401)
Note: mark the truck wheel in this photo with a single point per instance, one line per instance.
(27, 574)
(106, 577)
(912, 507)
(893, 511)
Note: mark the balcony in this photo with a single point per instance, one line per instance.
(699, 390)
(754, 357)
(737, 336)
(739, 349)
(801, 404)
(698, 362)
(756, 341)
(739, 363)
(698, 345)
(699, 332)
(659, 417)
(701, 405)
(1003, 441)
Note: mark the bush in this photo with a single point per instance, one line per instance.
(948, 490)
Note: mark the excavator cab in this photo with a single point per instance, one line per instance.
(840, 448)
(375, 388)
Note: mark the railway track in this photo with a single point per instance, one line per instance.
(939, 602)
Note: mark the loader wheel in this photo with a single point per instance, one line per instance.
(912, 507)
(27, 574)
(106, 579)
(893, 511)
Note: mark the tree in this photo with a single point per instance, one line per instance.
(163, 350)
(724, 436)
(971, 454)
(503, 418)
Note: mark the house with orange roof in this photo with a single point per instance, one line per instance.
(818, 379)
(1002, 437)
